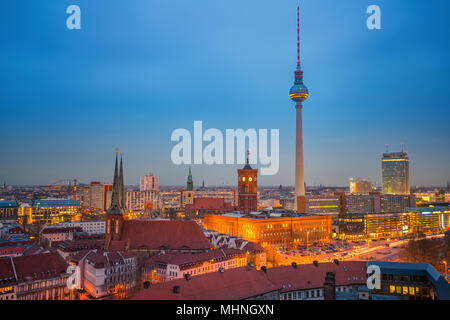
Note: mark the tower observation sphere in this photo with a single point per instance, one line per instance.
(298, 92)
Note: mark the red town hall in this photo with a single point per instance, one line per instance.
(247, 189)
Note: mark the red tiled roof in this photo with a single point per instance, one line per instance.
(33, 267)
(209, 203)
(242, 283)
(164, 234)
(50, 230)
(77, 245)
(101, 258)
(117, 245)
(188, 259)
(308, 276)
(232, 284)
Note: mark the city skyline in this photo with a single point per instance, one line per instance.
(66, 125)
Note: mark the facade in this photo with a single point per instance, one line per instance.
(89, 227)
(56, 234)
(362, 203)
(256, 256)
(274, 230)
(411, 281)
(396, 203)
(228, 194)
(425, 196)
(202, 206)
(399, 281)
(323, 204)
(8, 210)
(149, 182)
(360, 186)
(140, 200)
(247, 189)
(53, 210)
(106, 272)
(412, 222)
(98, 196)
(171, 266)
(395, 173)
(33, 277)
(306, 281)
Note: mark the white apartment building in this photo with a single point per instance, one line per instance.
(90, 227)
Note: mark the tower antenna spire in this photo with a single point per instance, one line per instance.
(298, 37)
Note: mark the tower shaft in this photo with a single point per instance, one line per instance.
(299, 164)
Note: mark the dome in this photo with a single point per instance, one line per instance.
(298, 92)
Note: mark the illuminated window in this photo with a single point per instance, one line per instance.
(243, 178)
(391, 289)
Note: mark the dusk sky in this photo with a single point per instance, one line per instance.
(137, 70)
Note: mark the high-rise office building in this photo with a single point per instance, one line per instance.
(360, 186)
(395, 172)
(149, 182)
(98, 195)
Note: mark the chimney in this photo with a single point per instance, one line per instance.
(329, 287)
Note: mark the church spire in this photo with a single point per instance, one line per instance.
(121, 185)
(190, 182)
(115, 197)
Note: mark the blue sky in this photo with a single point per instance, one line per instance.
(139, 69)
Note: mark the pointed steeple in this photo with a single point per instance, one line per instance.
(247, 165)
(121, 185)
(115, 197)
(190, 182)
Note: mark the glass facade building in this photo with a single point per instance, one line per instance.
(395, 173)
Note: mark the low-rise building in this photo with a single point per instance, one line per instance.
(106, 272)
(404, 281)
(69, 248)
(202, 206)
(245, 283)
(8, 210)
(89, 227)
(171, 266)
(277, 230)
(53, 210)
(33, 277)
(56, 234)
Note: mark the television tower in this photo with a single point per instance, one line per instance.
(299, 93)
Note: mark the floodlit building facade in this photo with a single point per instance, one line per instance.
(274, 230)
(395, 173)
